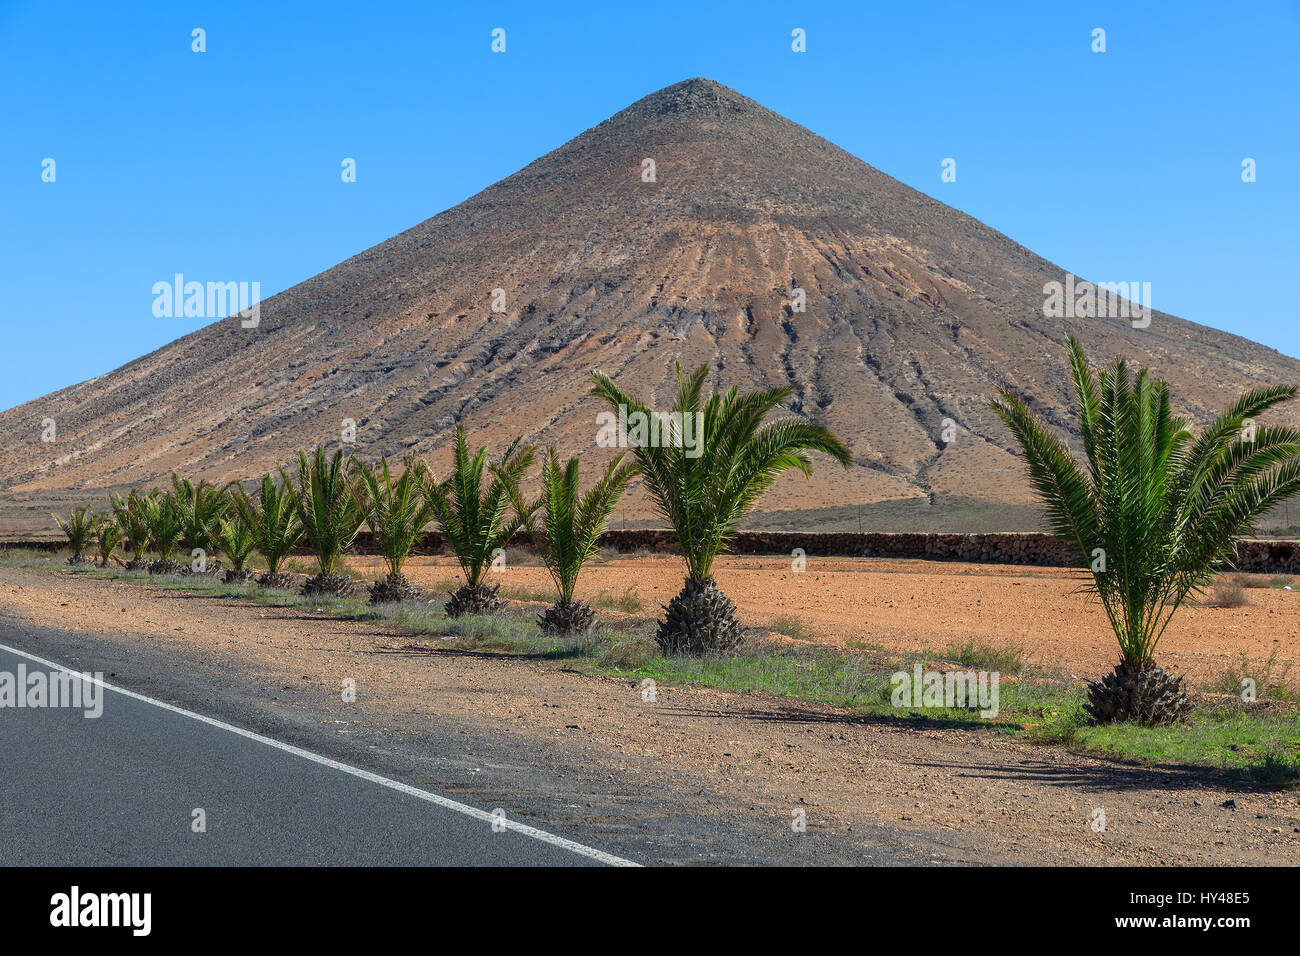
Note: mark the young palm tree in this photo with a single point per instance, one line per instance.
(1156, 512)
(80, 529)
(330, 516)
(108, 535)
(200, 509)
(163, 518)
(236, 540)
(567, 532)
(473, 519)
(132, 515)
(705, 496)
(396, 512)
(273, 522)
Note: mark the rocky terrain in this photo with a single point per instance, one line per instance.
(915, 313)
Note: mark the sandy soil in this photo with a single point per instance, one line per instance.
(725, 762)
(927, 605)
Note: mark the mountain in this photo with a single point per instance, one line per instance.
(914, 313)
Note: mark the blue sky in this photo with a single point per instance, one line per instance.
(226, 164)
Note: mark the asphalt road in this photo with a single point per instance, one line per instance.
(642, 812)
(122, 789)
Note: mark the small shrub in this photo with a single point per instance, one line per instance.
(1226, 593)
(523, 558)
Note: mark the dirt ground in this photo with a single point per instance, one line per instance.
(930, 605)
(675, 779)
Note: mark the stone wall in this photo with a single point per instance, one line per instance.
(1004, 548)
(1030, 548)
(1265, 557)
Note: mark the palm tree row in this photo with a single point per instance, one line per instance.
(1154, 514)
(200, 521)
(479, 509)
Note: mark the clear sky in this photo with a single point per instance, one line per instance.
(225, 165)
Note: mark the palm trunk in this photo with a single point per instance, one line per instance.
(699, 620)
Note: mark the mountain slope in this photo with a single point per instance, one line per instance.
(915, 313)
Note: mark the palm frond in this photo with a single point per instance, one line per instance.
(108, 535)
(79, 528)
(327, 507)
(706, 496)
(571, 522)
(1160, 507)
(272, 518)
(472, 516)
(395, 511)
(236, 539)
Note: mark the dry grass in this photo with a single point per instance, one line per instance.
(1225, 593)
(523, 558)
(629, 651)
(1259, 581)
(1006, 659)
(625, 601)
(792, 627)
(1270, 679)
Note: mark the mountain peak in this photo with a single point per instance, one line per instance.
(697, 95)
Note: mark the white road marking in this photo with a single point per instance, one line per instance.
(445, 802)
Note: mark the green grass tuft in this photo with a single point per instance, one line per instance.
(791, 627)
(979, 655)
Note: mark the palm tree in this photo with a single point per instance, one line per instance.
(1156, 513)
(108, 535)
(330, 516)
(566, 535)
(396, 512)
(273, 522)
(473, 519)
(80, 528)
(132, 515)
(236, 539)
(200, 509)
(163, 518)
(705, 490)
